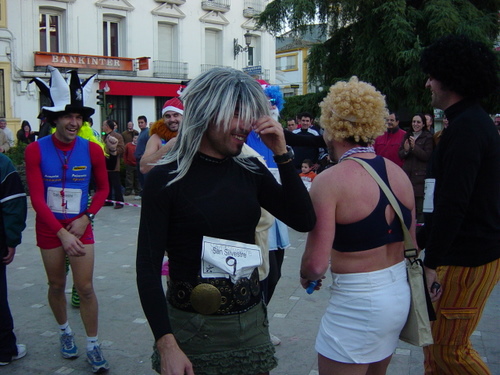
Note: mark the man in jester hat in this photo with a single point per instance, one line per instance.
(59, 169)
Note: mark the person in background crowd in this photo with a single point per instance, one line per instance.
(4, 142)
(142, 141)
(387, 145)
(307, 175)
(278, 238)
(45, 128)
(114, 148)
(13, 211)
(437, 135)
(303, 152)
(463, 244)
(162, 134)
(416, 150)
(25, 135)
(129, 134)
(8, 133)
(291, 125)
(131, 178)
(429, 120)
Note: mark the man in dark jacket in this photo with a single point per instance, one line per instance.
(12, 223)
(463, 247)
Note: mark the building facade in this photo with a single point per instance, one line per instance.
(141, 50)
(292, 51)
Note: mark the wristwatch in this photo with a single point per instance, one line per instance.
(285, 158)
(90, 216)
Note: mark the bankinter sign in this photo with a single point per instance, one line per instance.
(65, 60)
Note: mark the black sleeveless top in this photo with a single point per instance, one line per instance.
(372, 231)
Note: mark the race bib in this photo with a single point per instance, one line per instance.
(428, 206)
(229, 259)
(67, 202)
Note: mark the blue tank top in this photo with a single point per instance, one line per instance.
(75, 178)
(372, 231)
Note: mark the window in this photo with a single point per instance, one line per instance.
(254, 52)
(250, 56)
(167, 35)
(213, 49)
(110, 33)
(50, 29)
(2, 94)
(3, 16)
(286, 62)
(122, 110)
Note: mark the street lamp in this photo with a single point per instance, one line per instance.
(237, 48)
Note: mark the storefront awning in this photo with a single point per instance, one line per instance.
(140, 88)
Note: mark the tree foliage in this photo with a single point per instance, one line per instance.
(303, 103)
(380, 41)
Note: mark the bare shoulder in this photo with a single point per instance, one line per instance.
(154, 139)
(332, 180)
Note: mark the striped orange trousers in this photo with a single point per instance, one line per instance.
(465, 293)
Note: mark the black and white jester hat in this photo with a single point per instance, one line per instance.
(66, 96)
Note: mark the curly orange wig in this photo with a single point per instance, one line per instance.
(354, 110)
(162, 130)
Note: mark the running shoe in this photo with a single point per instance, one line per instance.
(275, 340)
(97, 361)
(68, 346)
(21, 352)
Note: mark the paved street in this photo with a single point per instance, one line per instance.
(125, 335)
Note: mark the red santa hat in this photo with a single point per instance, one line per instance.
(174, 105)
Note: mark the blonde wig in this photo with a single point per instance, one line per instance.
(353, 111)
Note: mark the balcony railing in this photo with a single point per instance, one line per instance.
(252, 8)
(206, 67)
(178, 2)
(123, 73)
(287, 67)
(170, 69)
(217, 5)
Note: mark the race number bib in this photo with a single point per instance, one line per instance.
(229, 259)
(67, 202)
(430, 184)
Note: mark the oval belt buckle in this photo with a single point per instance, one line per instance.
(206, 299)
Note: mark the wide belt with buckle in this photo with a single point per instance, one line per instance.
(217, 296)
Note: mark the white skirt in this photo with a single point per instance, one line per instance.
(365, 315)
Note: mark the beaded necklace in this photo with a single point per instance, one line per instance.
(356, 150)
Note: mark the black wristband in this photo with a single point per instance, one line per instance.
(285, 158)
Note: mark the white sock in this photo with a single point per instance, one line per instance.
(91, 342)
(65, 328)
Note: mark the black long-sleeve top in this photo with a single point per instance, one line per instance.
(465, 229)
(217, 198)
